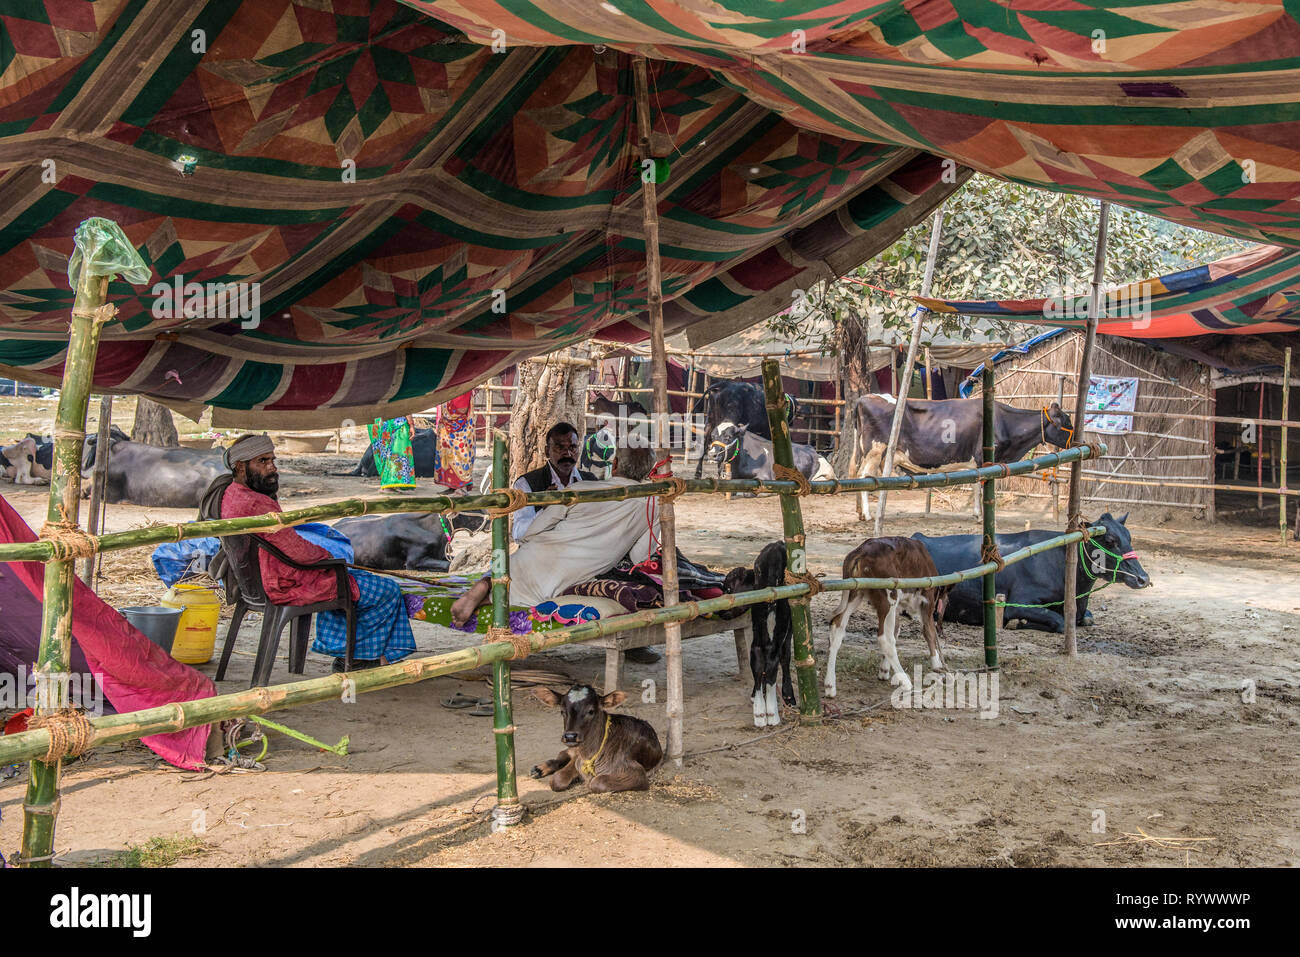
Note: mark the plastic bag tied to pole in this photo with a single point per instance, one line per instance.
(102, 249)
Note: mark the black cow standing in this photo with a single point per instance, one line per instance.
(939, 432)
(735, 404)
(1038, 582)
(767, 652)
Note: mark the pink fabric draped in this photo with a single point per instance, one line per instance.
(133, 672)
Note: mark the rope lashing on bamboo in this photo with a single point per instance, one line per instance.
(1078, 524)
(503, 580)
(517, 498)
(522, 646)
(105, 313)
(508, 729)
(814, 586)
(75, 434)
(70, 733)
(989, 553)
(679, 488)
(68, 540)
(785, 474)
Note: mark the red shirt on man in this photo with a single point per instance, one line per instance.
(284, 584)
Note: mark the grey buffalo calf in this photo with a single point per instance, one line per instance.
(890, 557)
(611, 752)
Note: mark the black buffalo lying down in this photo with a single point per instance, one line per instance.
(423, 448)
(414, 541)
(151, 476)
(1038, 580)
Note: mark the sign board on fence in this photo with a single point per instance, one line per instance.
(1108, 398)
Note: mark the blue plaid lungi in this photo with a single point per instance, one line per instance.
(383, 628)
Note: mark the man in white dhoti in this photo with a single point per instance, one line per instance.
(568, 544)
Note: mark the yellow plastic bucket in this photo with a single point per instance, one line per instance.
(196, 634)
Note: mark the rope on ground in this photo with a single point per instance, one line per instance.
(517, 498)
(522, 646)
(785, 474)
(68, 540)
(814, 586)
(70, 733)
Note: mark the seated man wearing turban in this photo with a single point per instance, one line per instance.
(383, 629)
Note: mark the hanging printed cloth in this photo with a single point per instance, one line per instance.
(455, 433)
(394, 459)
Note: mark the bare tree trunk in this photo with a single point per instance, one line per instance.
(547, 390)
(153, 425)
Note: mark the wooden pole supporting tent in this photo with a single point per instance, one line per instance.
(905, 383)
(667, 518)
(989, 551)
(1286, 411)
(1069, 609)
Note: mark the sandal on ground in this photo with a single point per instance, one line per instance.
(458, 701)
(483, 708)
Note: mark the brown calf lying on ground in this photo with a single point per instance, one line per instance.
(891, 557)
(611, 752)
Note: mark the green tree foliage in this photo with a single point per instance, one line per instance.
(1005, 241)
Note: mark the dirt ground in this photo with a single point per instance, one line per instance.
(1146, 729)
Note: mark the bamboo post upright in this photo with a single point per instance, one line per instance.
(667, 517)
(1286, 409)
(1069, 608)
(905, 383)
(508, 810)
(95, 520)
(41, 806)
(810, 706)
(990, 524)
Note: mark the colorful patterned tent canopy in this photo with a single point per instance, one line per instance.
(1256, 291)
(427, 193)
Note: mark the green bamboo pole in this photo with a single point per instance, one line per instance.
(189, 714)
(990, 524)
(667, 516)
(810, 705)
(89, 312)
(41, 551)
(1286, 407)
(508, 810)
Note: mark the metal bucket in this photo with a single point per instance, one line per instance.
(157, 623)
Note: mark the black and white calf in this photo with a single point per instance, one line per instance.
(767, 651)
(752, 457)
